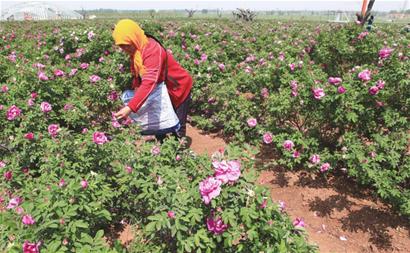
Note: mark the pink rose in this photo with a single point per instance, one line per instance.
(8, 175)
(95, 78)
(171, 214)
(84, 184)
(155, 150)
(73, 72)
(362, 34)
(385, 53)
(178, 158)
(227, 171)
(113, 96)
(324, 167)
(217, 226)
(28, 220)
(14, 202)
(296, 154)
(61, 183)
(2, 164)
(128, 169)
(197, 48)
(264, 203)
(282, 205)
(53, 130)
(365, 75)
(210, 188)
(288, 145)
(99, 138)
(204, 57)
(264, 93)
(298, 222)
(292, 67)
(45, 107)
(335, 80)
(30, 102)
(59, 73)
(252, 122)
(341, 89)
(380, 84)
(84, 131)
(13, 112)
(31, 247)
(315, 159)
(33, 95)
(318, 93)
(29, 136)
(373, 90)
(4, 88)
(42, 76)
(221, 67)
(267, 138)
(84, 65)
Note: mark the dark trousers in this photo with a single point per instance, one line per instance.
(182, 113)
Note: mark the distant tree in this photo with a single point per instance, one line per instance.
(152, 13)
(190, 13)
(204, 11)
(243, 14)
(219, 13)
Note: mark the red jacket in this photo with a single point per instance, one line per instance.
(179, 82)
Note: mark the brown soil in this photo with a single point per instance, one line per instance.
(333, 209)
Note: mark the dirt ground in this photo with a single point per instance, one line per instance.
(339, 216)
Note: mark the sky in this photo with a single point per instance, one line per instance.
(256, 5)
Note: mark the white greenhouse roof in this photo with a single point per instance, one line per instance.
(38, 11)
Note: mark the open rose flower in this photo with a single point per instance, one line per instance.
(298, 222)
(365, 75)
(45, 107)
(53, 130)
(13, 112)
(29, 247)
(14, 202)
(227, 171)
(59, 73)
(28, 220)
(315, 159)
(385, 52)
(8, 175)
(267, 138)
(341, 89)
(29, 136)
(155, 150)
(171, 214)
(221, 67)
(217, 226)
(324, 167)
(84, 184)
(288, 145)
(210, 188)
(318, 93)
(252, 122)
(95, 78)
(335, 80)
(99, 138)
(42, 76)
(373, 90)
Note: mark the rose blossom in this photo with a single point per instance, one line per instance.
(315, 159)
(264, 93)
(227, 171)
(324, 167)
(84, 65)
(221, 67)
(4, 88)
(99, 138)
(252, 122)
(155, 150)
(8, 175)
(288, 145)
(28, 220)
(335, 80)
(365, 75)
(45, 107)
(42, 76)
(385, 52)
(31, 247)
(53, 130)
(84, 184)
(380, 84)
(318, 93)
(267, 138)
(59, 73)
(296, 154)
(373, 90)
(341, 89)
(14, 202)
(29, 136)
(95, 78)
(13, 112)
(171, 214)
(209, 188)
(298, 222)
(30, 102)
(216, 226)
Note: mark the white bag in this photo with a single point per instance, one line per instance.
(157, 115)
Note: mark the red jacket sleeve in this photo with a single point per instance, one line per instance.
(152, 58)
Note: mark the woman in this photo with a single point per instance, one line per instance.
(151, 64)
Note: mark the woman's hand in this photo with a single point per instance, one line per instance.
(123, 113)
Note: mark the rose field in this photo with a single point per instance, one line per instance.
(329, 99)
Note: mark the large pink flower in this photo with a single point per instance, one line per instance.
(298, 222)
(318, 93)
(221, 67)
(341, 89)
(28, 220)
(335, 80)
(29, 247)
(365, 75)
(385, 52)
(59, 73)
(13, 112)
(45, 107)
(227, 171)
(8, 175)
(99, 138)
(252, 122)
(324, 167)
(288, 145)
(217, 226)
(315, 159)
(53, 130)
(42, 76)
(155, 150)
(267, 137)
(95, 78)
(14, 202)
(84, 184)
(29, 136)
(373, 90)
(84, 65)
(210, 188)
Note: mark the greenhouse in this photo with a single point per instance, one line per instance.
(37, 11)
